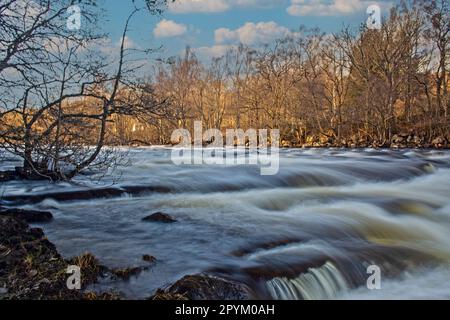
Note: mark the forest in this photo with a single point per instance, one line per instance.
(363, 88)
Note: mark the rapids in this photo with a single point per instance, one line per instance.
(309, 232)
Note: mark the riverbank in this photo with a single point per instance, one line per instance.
(398, 141)
(403, 140)
(31, 268)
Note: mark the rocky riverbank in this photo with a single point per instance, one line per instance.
(32, 269)
(403, 140)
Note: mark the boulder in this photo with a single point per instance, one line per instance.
(203, 287)
(127, 273)
(159, 217)
(439, 142)
(286, 144)
(148, 258)
(397, 139)
(29, 216)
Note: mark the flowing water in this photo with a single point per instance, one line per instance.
(309, 232)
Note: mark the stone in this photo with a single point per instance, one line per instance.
(439, 142)
(148, 258)
(159, 217)
(204, 287)
(29, 216)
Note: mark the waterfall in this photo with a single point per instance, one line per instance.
(318, 283)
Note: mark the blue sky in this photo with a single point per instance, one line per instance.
(211, 26)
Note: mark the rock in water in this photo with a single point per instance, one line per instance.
(127, 273)
(29, 216)
(160, 217)
(7, 176)
(148, 258)
(203, 287)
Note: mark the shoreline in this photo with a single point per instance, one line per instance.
(31, 268)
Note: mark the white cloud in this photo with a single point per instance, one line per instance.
(252, 33)
(216, 51)
(205, 6)
(327, 7)
(190, 6)
(112, 49)
(128, 43)
(168, 28)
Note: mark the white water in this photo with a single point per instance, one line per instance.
(307, 233)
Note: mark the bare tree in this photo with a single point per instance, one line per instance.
(62, 91)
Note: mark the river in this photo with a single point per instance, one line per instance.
(309, 232)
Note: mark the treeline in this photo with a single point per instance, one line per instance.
(380, 88)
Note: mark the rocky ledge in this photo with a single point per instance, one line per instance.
(30, 266)
(32, 269)
(29, 216)
(203, 287)
(402, 140)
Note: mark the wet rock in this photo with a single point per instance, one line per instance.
(415, 141)
(101, 193)
(286, 144)
(138, 190)
(149, 258)
(127, 273)
(65, 196)
(8, 176)
(439, 142)
(203, 287)
(29, 216)
(161, 295)
(32, 269)
(26, 259)
(159, 217)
